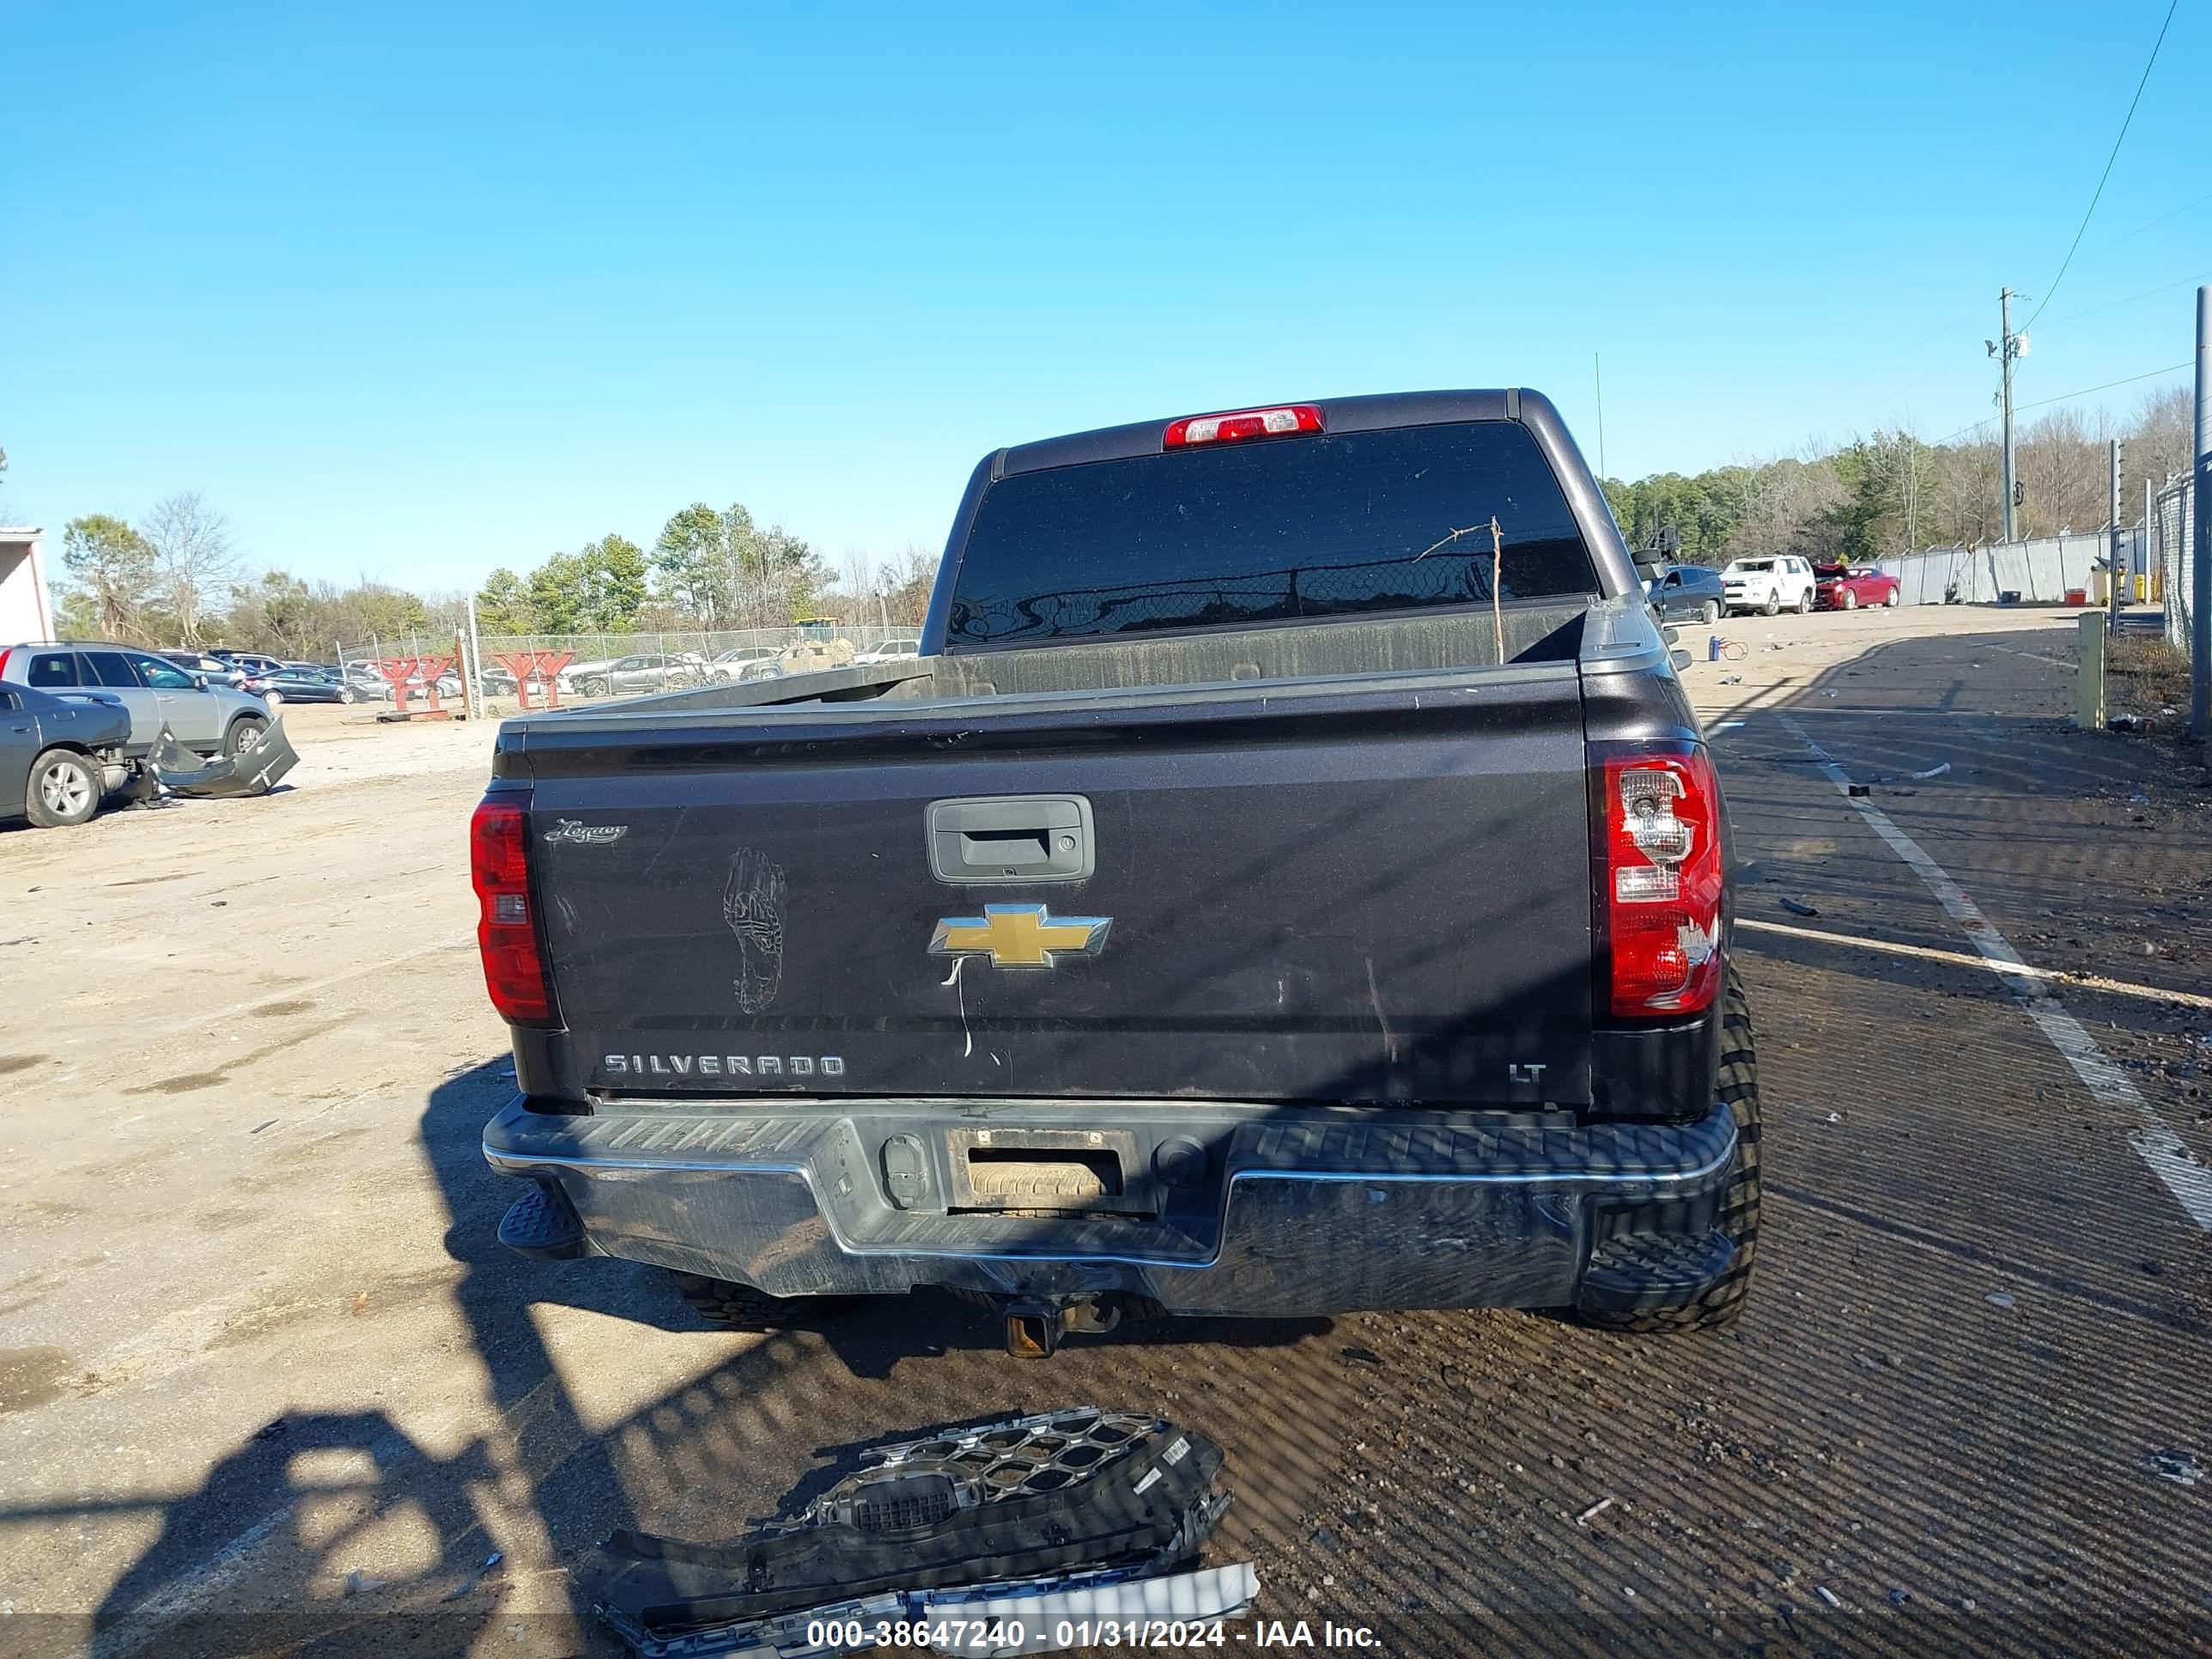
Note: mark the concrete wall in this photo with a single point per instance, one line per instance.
(27, 609)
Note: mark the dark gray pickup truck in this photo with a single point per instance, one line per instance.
(1289, 880)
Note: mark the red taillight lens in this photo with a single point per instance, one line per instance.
(1241, 425)
(1661, 873)
(498, 866)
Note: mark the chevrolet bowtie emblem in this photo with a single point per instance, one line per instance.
(1020, 936)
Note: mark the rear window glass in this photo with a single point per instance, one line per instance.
(55, 668)
(1347, 524)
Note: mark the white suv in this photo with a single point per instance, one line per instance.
(1782, 582)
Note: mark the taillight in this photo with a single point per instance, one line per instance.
(499, 865)
(1661, 878)
(1241, 426)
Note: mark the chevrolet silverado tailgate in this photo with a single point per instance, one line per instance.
(1359, 890)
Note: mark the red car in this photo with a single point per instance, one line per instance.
(1848, 586)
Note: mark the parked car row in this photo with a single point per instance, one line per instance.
(206, 718)
(1768, 586)
(604, 677)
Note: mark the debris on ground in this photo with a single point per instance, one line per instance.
(1065, 1518)
(253, 771)
(1856, 789)
(1731, 680)
(1594, 1511)
(1828, 1595)
(1999, 1298)
(2177, 1465)
(358, 1582)
(474, 1578)
(1932, 772)
(1799, 908)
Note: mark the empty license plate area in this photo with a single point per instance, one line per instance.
(1048, 1171)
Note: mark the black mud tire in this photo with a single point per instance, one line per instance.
(741, 1307)
(1724, 1300)
(245, 731)
(1773, 605)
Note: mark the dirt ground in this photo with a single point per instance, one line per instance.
(269, 1384)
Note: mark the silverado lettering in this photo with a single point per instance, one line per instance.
(721, 1065)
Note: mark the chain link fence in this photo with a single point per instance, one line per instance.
(613, 664)
(2173, 531)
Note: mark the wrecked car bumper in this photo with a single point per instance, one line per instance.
(1196, 1209)
(253, 771)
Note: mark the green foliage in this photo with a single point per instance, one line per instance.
(388, 613)
(503, 605)
(722, 570)
(613, 574)
(111, 567)
(598, 589)
(557, 594)
(692, 564)
(278, 613)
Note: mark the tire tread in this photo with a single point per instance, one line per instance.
(1722, 1303)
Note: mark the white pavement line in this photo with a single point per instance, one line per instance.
(141, 1623)
(2155, 1143)
(2056, 662)
(1960, 958)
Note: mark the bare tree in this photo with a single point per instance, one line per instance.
(195, 560)
(2158, 439)
(857, 572)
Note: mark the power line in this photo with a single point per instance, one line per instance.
(2099, 194)
(2148, 293)
(2063, 397)
(2105, 247)
(2147, 374)
(1865, 374)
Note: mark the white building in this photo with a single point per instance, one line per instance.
(26, 609)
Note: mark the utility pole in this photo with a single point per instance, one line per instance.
(2112, 573)
(2007, 346)
(472, 670)
(2200, 574)
(2150, 506)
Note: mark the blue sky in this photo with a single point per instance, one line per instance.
(418, 293)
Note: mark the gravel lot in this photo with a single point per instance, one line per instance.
(269, 1384)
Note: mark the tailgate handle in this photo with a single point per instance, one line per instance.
(982, 839)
